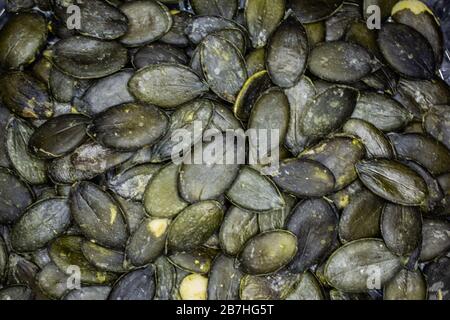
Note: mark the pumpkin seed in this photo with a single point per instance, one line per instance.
(201, 26)
(392, 181)
(361, 217)
(21, 39)
(166, 85)
(435, 239)
(223, 8)
(25, 95)
(161, 198)
(349, 268)
(136, 285)
(287, 53)
(406, 285)
(165, 278)
(407, 51)
(59, 136)
(313, 222)
(304, 178)
(100, 58)
(52, 281)
(147, 242)
(340, 61)
(436, 123)
(176, 35)
(99, 217)
(30, 168)
(255, 192)
(308, 11)
(194, 225)
(196, 261)
(89, 293)
(158, 53)
(15, 196)
(194, 287)
(237, 228)
(277, 219)
(99, 18)
(223, 67)
(256, 288)
(224, 279)
(147, 22)
(307, 288)
(65, 252)
(255, 61)
(268, 252)
(41, 223)
(103, 258)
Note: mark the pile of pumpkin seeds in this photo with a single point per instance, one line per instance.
(93, 207)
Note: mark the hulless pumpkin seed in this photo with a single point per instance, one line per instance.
(307, 288)
(225, 8)
(196, 261)
(268, 252)
(406, 285)
(224, 279)
(194, 287)
(435, 239)
(158, 53)
(308, 11)
(136, 285)
(103, 258)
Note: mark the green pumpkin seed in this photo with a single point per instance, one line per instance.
(237, 228)
(30, 233)
(136, 285)
(223, 67)
(223, 119)
(21, 271)
(437, 274)
(165, 274)
(166, 85)
(147, 242)
(211, 178)
(407, 51)
(287, 53)
(100, 58)
(307, 288)
(21, 39)
(25, 95)
(17, 292)
(375, 143)
(147, 22)
(361, 217)
(340, 61)
(277, 219)
(255, 192)
(199, 111)
(235, 36)
(158, 53)
(308, 11)
(99, 18)
(255, 61)
(100, 97)
(193, 287)
(30, 168)
(329, 152)
(59, 136)
(393, 181)
(161, 198)
(314, 222)
(196, 261)
(129, 126)
(298, 95)
(435, 239)
(418, 16)
(383, 112)
(350, 267)
(256, 288)
(268, 252)
(201, 26)
(176, 35)
(436, 123)
(251, 90)
(401, 229)
(52, 281)
(194, 225)
(89, 293)
(223, 8)
(103, 258)
(262, 18)
(406, 285)
(15, 196)
(328, 111)
(133, 211)
(65, 88)
(65, 252)
(98, 215)
(338, 24)
(358, 32)
(130, 182)
(224, 279)
(304, 178)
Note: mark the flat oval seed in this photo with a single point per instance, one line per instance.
(15, 196)
(136, 285)
(223, 8)
(224, 279)
(166, 85)
(268, 252)
(308, 11)
(406, 285)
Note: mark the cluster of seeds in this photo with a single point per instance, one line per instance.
(94, 206)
